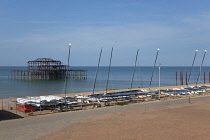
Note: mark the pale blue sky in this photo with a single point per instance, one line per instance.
(31, 29)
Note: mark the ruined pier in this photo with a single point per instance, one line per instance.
(47, 68)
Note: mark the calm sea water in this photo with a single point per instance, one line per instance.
(120, 78)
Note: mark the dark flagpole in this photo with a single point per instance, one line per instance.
(94, 85)
(201, 67)
(66, 77)
(134, 69)
(153, 69)
(191, 68)
(110, 62)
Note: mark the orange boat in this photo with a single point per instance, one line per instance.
(141, 97)
(162, 95)
(25, 108)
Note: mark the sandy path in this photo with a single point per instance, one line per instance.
(174, 122)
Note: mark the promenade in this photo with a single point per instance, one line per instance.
(37, 127)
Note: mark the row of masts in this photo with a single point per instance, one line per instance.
(199, 74)
(131, 86)
(156, 58)
(94, 84)
(136, 59)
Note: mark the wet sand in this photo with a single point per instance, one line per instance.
(174, 122)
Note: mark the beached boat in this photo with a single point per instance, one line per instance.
(25, 108)
(141, 97)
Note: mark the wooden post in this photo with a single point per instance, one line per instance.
(176, 78)
(209, 77)
(181, 78)
(204, 77)
(186, 78)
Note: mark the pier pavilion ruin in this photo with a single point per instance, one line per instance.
(47, 68)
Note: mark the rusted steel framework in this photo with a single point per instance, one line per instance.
(47, 68)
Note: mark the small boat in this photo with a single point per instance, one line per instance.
(141, 97)
(25, 108)
(162, 95)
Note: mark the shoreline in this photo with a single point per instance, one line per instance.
(124, 90)
(108, 91)
(5, 104)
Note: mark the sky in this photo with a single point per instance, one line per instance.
(31, 29)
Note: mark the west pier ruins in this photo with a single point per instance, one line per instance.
(47, 68)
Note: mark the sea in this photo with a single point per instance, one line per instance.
(120, 77)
